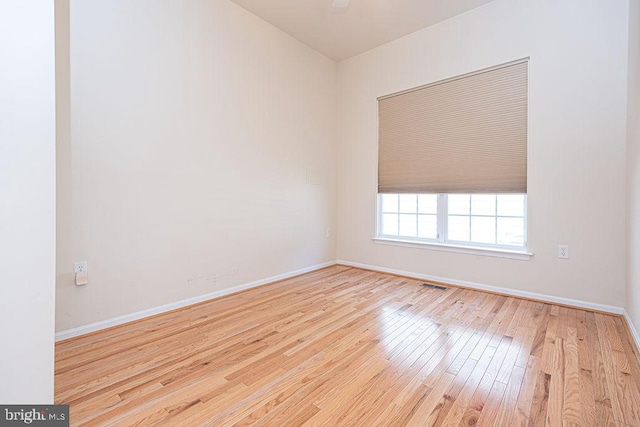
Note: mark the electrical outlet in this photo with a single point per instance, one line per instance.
(339, 4)
(80, 267)
(563, 251)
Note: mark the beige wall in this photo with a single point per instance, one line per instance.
(27, 201)
(193, 124)
(633, 166)
(576, 177)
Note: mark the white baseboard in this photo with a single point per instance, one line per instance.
(92, 327)
(115, 321)
(496, 289)
(632, 328)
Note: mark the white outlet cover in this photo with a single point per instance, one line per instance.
(80, 267)
(563, 251)
(313, 177)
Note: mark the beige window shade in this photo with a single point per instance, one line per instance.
(462, 135)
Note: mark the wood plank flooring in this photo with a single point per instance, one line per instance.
(343, 346)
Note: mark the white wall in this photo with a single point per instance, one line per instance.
(633, 166)
(193, 124)
(27, 201)
(576, 176)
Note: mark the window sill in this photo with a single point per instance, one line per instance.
(494, 252)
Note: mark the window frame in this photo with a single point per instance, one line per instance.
(442, 242)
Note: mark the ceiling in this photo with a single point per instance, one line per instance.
(341, 33)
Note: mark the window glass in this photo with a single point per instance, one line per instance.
(459, 228)
(483, 204)
(428, 226)
(428, 203)
(511, 231)
(483, 229)
(389, 203)
(408, 225)
(390, 224)
(473, 219)
(459, 204)
(511, 205)
(408, 203)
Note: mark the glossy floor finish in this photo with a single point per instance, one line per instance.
(343, 346)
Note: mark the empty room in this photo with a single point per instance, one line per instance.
(320, 212)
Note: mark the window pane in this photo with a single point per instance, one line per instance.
(483, 204)
(511, 231)
(511, 205)
(428, 203)
(428, 226)
(390, 224)
(408, 203)
(483, 230)
(408, 225)
(487, 219)
(458, 227)
(458, 204)
(389, 203)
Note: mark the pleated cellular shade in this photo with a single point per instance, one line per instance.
(462, 135)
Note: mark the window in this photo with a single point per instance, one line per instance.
(452, 161)
(484, 220)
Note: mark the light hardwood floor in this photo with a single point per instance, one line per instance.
(343, 346)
